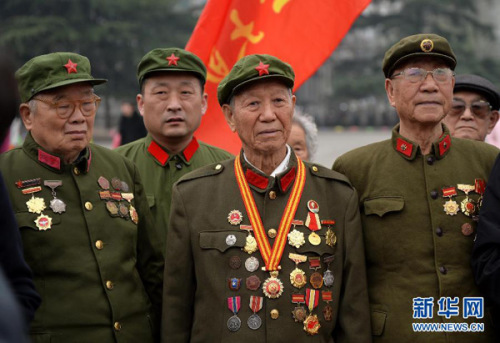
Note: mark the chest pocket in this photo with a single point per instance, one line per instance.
(27, 219)
(222, 240)
(381, 206)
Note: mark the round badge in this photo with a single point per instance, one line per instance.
(467, 207)
(313, 206)
(235, 262)
(254, 322)
(314, 238)
(328, 278)
(252, 282)
(235, 217)
(316, 280)
(271, 233)
(298, 278)
(467, 229)
(427, 45)
(299, 314)
(272, 287)
(231, 240)
(296, 238)
(234, 323)
(251, 264)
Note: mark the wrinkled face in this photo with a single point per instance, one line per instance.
(421, 103)
(297, 141)
(261, 114)
(471, 123)
(172, 105)
(66, 137)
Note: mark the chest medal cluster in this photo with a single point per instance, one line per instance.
(117, 198)
(308, 290)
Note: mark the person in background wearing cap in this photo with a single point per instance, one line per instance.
(419, 195)
(172, 101)
(474, 109)
(82, 214)
(303, 137)
(264, 247)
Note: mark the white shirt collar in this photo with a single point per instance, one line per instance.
(281, 167)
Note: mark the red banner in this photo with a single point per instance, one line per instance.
(303, 33)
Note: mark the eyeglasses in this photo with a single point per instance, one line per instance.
(415, 75)
(65, 108)
(481, 109)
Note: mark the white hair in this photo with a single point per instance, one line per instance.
(306, 122)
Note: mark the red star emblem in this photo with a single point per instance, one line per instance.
(262, 68)
(172, 59)
(71, 67)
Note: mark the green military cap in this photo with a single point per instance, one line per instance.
(253, 68)
(53, 70)
(418, 45)
(171, 59)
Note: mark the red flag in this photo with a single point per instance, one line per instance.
(303, 33)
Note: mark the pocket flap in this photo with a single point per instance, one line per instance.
(222, 240)
(378, 322)
(151, 200)
(382, 205)
(27, 219)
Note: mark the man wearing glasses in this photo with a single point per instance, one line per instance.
(82, 214)
(474, 110)
(420, 193)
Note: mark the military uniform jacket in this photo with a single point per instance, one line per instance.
(159, 171)
(99, 276)
(413, 248)
(201, 242)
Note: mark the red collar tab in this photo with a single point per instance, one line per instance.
(158, 153)
(172, 59)
(287, 179)
(71, 67)
(404, 147)
(191, 149)
(262, 68)
(256, 180)
(48, 159)
(444, 144)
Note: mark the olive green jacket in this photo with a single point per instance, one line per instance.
(159, 171)
(413, 248)
(99, 277)
(195, 306)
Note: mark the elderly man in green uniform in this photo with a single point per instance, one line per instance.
(172, 102)
(419, 195)
(82, 212)
(264, 247)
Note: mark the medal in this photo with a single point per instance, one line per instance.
(298, 276)
(254, 322)
(331, 238)
(312, 220)
(251, 264)
(133, 215)
(311, 323)
(43, 222)
(234, 304)
(328, 277)
(103, 182)
(128, 196)
(450, 206)
(314, 238)
(299, 312)
(36, 205)
(234, 283)
(116, 183)
(252, 282)
(116, 196)
(104, 195)
(28, 183)
(327, 310)
(234, 262)
(124, 187)
(230, 240)
(296, 238)
(273, 287)
(234, 217)
(250, 242)
(57, 205)
(480, 186)
(467, 229)
(112, 208)
(123, 209)
(467, 205)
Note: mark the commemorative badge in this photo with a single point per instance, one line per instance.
(28, 183)
(298, 276)
(254, 322)
(467, 205)
(252, 264)
(43, 222)
(252, 282)
(311, 323)
(112, 208)
(296, 238)
(36, 205)
(299, 313)
(234, 262)
(235, 217)
(327, 310)
(331, 238)
(234, 304)
(230, 240)
(250, 242)
(116, 183)
(124, 186)
(467, 229)
(133, 215)
(450, 207)
(234, 283)
(273, 287)
(328, 277)
(103, 182)
(480, 186)
(57, 205)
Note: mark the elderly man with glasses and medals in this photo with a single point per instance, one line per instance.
(297, 283)
(82, 213)
(419, 195)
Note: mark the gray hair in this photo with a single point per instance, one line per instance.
(306, 122)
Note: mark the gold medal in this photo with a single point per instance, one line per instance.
(298, 278)
(451, 207)
(314, 238)
(296, 238)
(43, 222)
(311, 324)
(331, 238)
(36, 205)
(250, 244)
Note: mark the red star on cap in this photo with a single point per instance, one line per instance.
(262, 68)
(71, 67)
(172, 59)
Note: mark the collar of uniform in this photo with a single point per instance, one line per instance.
(408, 149)
(261, 182)
(162, 156)
(55, 162)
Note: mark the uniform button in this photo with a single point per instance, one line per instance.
(272, 195)
(109, 284)
(89, 206)
(443, 270)
(430, 160)
(218, 167)
(434, 194)
(271, 233)
(178, 166)
(76, 171)
(314, 168)
(439, 231)
(275, 314)
(99, 245)
(117, 326)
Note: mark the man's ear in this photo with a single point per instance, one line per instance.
(229, 115)
(26, 115)
(389, 89)
(493, 120)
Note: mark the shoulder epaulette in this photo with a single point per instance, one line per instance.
(320, 171)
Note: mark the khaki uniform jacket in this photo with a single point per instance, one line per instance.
(99, 277)
(196, 292)
(413, 248)
(159, 171)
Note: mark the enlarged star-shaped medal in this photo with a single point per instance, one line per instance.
(296, 238)
(36, 205)
(451, 207)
